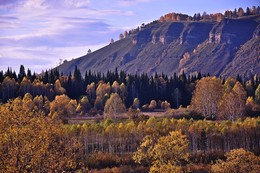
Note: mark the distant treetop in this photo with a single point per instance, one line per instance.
(210, 17)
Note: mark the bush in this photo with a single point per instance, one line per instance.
(152, 105)
(199, 168)
(133, 113)
(102, 160)
(145, 108)
(183, 113)
(122, 169)
(206, 157)
(142, 117)
(93, 112)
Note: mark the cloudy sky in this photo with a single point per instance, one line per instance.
(38, 33)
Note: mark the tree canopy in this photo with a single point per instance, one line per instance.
(207, 95)
(114, 105)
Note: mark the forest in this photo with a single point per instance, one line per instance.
(208, 124)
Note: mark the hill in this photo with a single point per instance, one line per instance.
(225, 48)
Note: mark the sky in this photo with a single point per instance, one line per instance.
(41, 33)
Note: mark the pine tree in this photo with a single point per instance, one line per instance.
(21, 73)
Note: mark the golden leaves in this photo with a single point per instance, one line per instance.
(32, 142)
(239, 161)
(165, 155)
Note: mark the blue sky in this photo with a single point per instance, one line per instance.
(38, 33)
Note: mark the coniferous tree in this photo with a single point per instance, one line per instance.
(77, 83)
(1, 76)
(29, 74)
(247, 11)
(51, 77)
(240, 12)
(45, 78)
(21, 73)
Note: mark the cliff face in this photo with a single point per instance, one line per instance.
(227, 48)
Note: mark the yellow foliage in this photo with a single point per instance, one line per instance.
(114, 105)
(166, 168)
(32, 142)
(164, 155)
(207, 95)
(238, 161)
(63, 106)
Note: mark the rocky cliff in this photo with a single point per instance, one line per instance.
(226, 48)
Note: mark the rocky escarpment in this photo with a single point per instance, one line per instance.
(234, 32)
(218, 48)
(257, 32)
(248, 55)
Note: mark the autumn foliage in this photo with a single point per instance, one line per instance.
(239, 161)
(32, 142)
(36, 137)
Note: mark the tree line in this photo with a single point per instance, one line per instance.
(137, 86)
(236, 13)
(144, 92)
(137, 82)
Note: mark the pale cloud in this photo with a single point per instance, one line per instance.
(61, 32)
(8, 18)
(31, 28)
(127, 3)
(43, 4)
(40, 58)
(54, 4)
(7, 2)
(37, 36)
(8, 22)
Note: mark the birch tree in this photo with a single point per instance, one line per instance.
(206, 97)
(114, 105)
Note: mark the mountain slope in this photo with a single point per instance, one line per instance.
(226, 48)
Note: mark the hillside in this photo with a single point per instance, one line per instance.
(225, 48)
